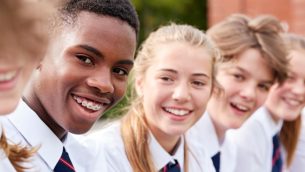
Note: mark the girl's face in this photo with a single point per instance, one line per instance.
(16, 66)
(287, 100)
(175, 89)
(245, 81)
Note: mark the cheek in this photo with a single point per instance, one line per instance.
(260, 99)
(120, 89)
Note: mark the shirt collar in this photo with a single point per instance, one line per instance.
(272, 126)
(37, 133)
(205, 134)
(162, 157)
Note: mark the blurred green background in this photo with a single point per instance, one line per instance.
(153, 13)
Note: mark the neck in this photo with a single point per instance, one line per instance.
(220, 132)
(169, 143)
(32, 100)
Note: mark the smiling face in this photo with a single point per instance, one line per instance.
(21, 50)
(16, 67)
(245, 81)
(287, 100)
(84, 73)
(175, 89)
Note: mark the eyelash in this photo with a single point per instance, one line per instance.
(199, 83)
(264, 87)
(118, 70)
(238, 77)
(84, 59)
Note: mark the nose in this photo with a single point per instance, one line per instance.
(181, 92)
(299, 87)
(248, 92)
(101, 81)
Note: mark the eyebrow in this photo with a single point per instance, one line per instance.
(100, 54)
(194, 74)
(92, 50)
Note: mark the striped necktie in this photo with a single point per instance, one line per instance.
(277, 161)
(171, 167)
(64, 164)
(216, 161)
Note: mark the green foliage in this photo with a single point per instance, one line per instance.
(154, 13)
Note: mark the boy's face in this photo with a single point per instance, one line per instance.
(85, 71)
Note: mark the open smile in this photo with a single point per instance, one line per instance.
(8, 79)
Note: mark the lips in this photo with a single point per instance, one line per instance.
(293, 102)
(8, 80)
(7, 76)
(240, 109)
(90, 104)
(177, 112)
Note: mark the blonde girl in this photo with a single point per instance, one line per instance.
(22, 44)
(173, 78)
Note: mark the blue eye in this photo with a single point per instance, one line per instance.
(84, 59)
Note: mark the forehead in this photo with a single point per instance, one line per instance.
(297, 62)
(251, 62)
(182, 57)
(107, 34)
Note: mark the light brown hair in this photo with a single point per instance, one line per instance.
(134, 127)
(290, 132)
(238, 33)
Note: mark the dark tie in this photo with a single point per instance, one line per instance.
(64, 164)
(277, 161)
(171, 167)
(216, 161)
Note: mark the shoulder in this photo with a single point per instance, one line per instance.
(108, 148)
(199, 158)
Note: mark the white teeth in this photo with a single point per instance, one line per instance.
(88, 104)
(178, 112)
(240, 107)
(7, 76)
(293, 102)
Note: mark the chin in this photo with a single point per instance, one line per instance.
(235, 125)
(81, 130)
(8, 108)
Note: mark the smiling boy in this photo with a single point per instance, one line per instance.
(84, 73)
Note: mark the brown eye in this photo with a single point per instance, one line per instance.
(84, 59)
(120, 71)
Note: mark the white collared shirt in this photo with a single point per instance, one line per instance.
(204, 134)
(23, 126)
(254, 142)
(112, 147)
(298, 163)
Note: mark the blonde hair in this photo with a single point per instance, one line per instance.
(27, 21)
(290, 131)
(238, 33)
(134, 127)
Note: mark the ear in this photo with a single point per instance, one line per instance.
(139, 86)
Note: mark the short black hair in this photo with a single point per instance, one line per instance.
(121, 9)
